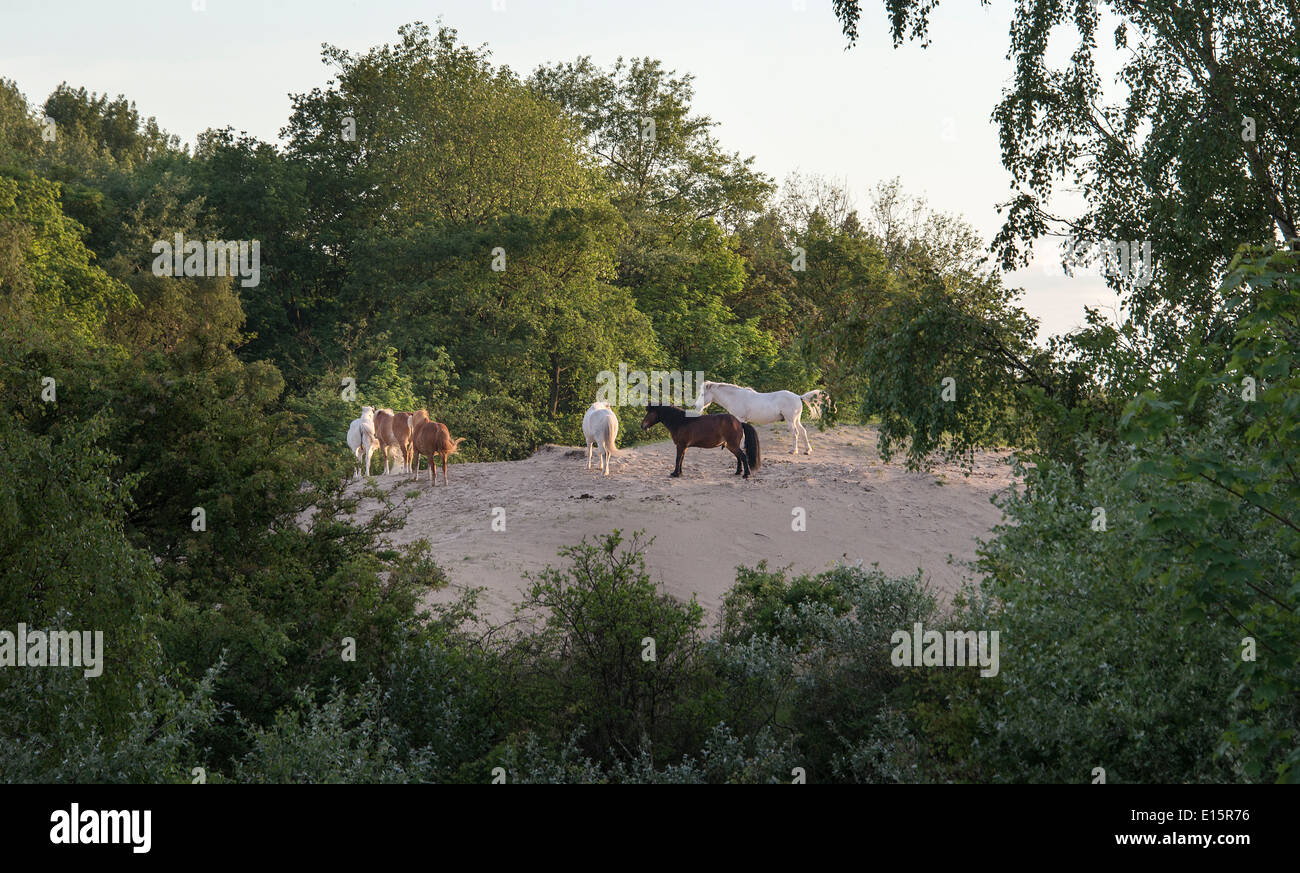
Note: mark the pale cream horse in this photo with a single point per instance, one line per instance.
(362, 439)
(764, 408)
(600, 427)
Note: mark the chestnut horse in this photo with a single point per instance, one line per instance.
(432, 439)
(707, 432)
(384, 431)
(402, 436)
(412, 422)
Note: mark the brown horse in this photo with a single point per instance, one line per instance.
(384, 431)
(401, 435)
(432, 439)
(707, 432)
(413, 421)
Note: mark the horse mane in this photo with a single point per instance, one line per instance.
(724, 385)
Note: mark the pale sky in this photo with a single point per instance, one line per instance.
(773, 73)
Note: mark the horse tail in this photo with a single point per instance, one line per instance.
(751, 446)
(812, 401)
(610, 435)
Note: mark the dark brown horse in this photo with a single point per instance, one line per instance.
(707, 432)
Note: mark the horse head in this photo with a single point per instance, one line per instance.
(651, 417)
(704, 397)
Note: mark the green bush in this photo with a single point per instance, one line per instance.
(589, 658)
(1102, 666)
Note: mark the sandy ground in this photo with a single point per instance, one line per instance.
(707, 522)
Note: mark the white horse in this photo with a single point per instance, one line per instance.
(600, 427)
(755, 408)
(362, 439)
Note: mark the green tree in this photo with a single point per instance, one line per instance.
(1226, 444)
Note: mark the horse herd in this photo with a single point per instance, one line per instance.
(408, 435)
(412, 434)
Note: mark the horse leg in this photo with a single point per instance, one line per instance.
(444, 470)
(677, 470)
(794, 432)
(807, 441)
(737, 448)
(742, 462)
(589, 445)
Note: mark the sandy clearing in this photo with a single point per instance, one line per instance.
(707, 522)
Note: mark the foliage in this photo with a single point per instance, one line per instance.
(1230, 508)
(615, 654)
(483, 247)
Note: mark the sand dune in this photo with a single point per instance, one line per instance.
(707, 522)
